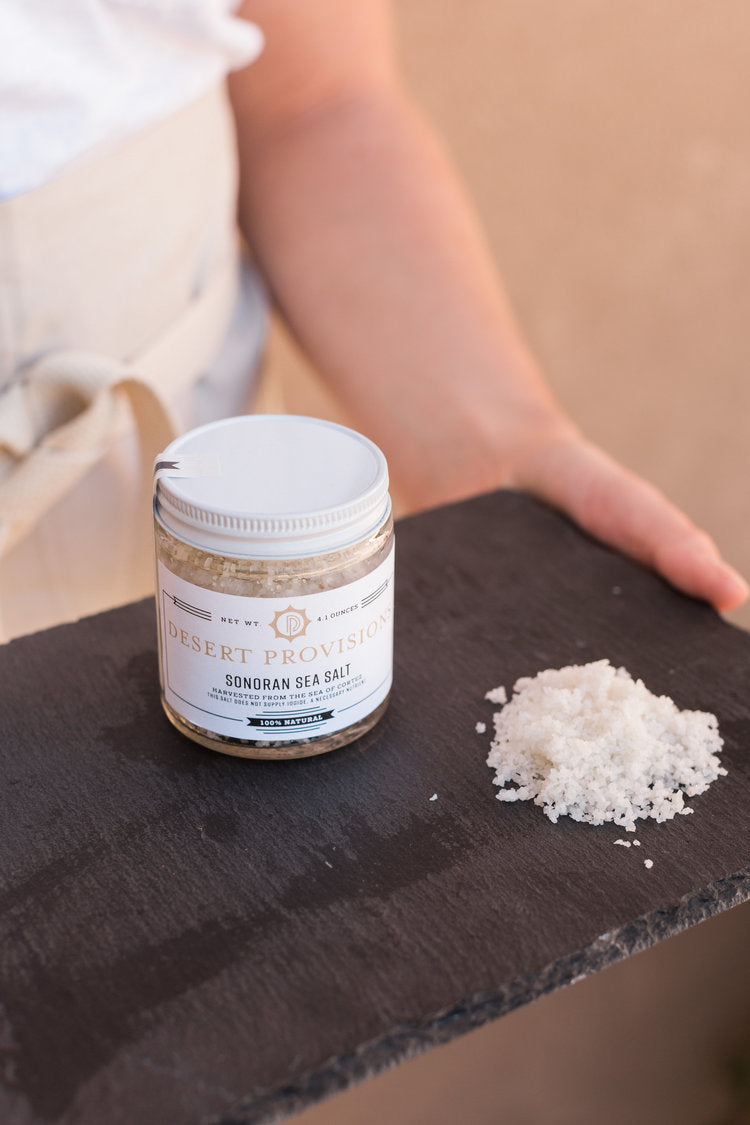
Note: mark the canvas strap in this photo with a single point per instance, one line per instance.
(58, 419)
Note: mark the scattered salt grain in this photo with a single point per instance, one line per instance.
(623, 843)
(637, 843)
(590, 742)
(648, 863)
(433, 797)
(480, 728)
(497, 695)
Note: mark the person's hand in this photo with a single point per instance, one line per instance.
(626, 512)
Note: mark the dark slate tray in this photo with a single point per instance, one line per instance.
(193, 938)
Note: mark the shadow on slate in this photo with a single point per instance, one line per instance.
(189, 938)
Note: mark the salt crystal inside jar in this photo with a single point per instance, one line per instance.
(274, 585)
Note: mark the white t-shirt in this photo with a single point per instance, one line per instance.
(79, 75)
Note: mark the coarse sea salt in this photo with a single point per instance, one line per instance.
(590, 742)
(497, 695)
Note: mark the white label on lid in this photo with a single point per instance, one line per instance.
(276, 669)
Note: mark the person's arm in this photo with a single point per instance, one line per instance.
(373, 256)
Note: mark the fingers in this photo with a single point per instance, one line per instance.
(626, 512)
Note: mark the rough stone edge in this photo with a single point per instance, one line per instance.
(265, 1107)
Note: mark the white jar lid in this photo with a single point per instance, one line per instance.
(270, 486)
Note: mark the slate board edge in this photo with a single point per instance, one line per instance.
(408, 1041)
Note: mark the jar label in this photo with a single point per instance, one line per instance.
(281, 668)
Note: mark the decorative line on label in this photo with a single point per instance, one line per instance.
(204, 614)
(205, 710)
(376, 593)
(386, 680)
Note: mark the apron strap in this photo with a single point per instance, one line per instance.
(58, 418)
(57, 422)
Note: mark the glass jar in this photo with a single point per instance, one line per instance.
(274, 585)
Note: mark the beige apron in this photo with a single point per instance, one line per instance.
(119, 280)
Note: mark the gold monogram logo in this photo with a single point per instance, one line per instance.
(290, 623)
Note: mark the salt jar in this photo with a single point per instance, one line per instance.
(274, 585)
